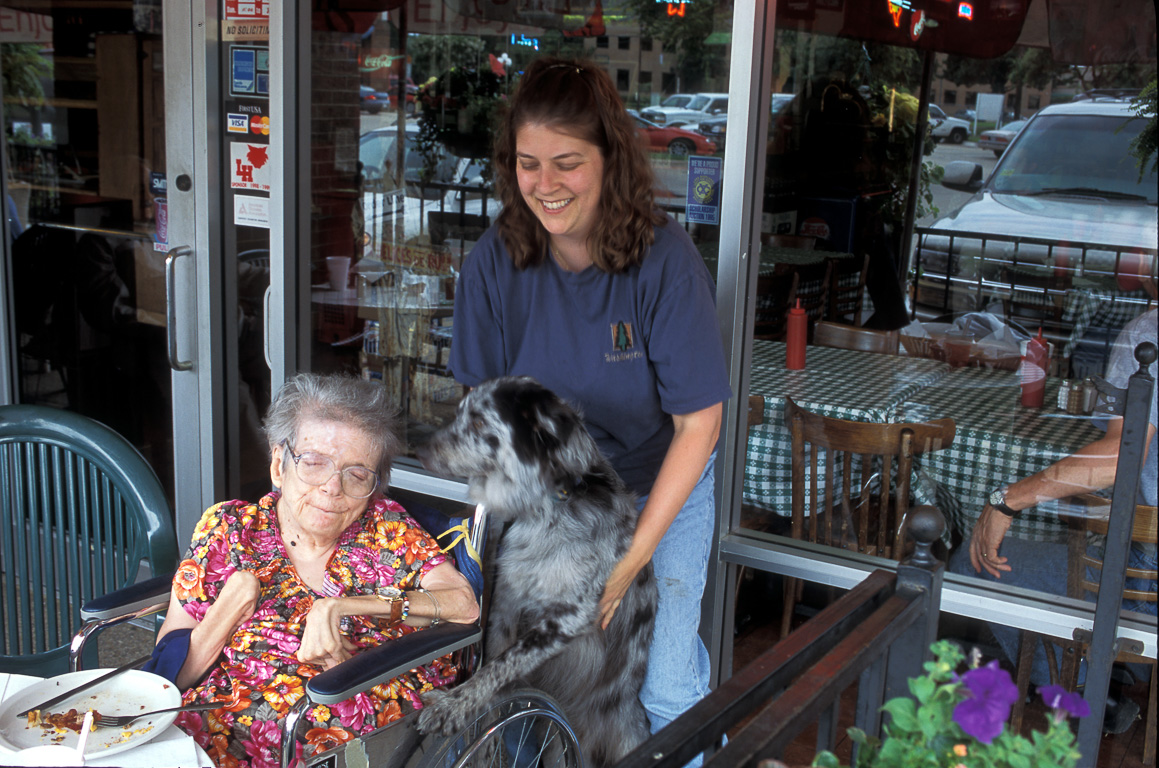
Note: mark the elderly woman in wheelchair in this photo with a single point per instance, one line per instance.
(272, 593)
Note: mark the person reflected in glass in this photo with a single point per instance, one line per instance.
(584, 284)
(1041, 566)
(270, 594)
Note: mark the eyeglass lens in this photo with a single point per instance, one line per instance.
(316, 469)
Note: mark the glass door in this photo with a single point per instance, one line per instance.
(85, 195)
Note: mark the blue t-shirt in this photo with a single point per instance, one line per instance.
(1119, 370)
(627, 349)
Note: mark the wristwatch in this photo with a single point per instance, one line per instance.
(397, 601)
(998, 501)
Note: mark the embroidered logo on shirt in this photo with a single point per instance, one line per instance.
(623, 343)
(621, 336)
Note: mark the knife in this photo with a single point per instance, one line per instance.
(85, 686)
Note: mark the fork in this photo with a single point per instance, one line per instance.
(120, 721)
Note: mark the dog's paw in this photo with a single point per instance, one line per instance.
(442, 714)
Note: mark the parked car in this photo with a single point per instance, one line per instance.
(946, 128)
(997, 139)
(716, 127)
(966, 114)
(674, 141)
(373, 101)
(384, 193)
(1064, 208)
(698, 107)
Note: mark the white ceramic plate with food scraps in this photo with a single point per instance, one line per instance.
(126, 694)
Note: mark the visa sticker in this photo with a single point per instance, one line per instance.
(235, 123)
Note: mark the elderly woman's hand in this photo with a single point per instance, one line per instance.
(322, 642)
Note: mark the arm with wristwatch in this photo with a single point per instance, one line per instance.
(1091, 468)
(444, 596)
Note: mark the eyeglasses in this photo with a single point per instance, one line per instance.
(317, 469)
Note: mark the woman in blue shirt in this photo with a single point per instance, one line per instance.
(585, 285)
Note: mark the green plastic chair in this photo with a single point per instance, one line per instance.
(82, 510)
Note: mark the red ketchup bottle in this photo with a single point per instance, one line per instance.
(796, 332)
(1034, 364)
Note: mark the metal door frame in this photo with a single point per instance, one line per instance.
(198, 317)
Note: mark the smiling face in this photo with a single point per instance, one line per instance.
(560, 178)
(321, 511)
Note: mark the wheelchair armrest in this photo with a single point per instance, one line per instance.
(389, 660)
(129, 599)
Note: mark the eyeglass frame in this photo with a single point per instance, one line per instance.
(340, 472)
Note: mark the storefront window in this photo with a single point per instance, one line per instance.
(400, 208)
(924, 261)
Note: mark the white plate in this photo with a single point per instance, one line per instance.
(127, 693)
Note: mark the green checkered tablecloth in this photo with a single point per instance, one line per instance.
(1100, 308)
(997, 441)
(857, 386)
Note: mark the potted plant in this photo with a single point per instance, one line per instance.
(959, 721)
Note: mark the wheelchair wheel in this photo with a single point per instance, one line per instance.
(523, 729)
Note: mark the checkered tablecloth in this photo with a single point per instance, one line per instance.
(1099, 308)
(856, 386)
(997, 442)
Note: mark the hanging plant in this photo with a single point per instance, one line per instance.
(458, 111)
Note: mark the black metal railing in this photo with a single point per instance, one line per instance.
(878, 634)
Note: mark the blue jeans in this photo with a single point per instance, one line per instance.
(678, 668)
(1041, 566)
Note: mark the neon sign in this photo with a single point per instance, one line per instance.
(530, 42)
(966, 11)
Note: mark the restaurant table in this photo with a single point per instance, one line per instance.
(1100, 308)
(997, 442)
(841, 383)
(172, 749)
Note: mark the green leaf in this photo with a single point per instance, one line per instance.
(922, 688)
(904, 714)
(826, 759)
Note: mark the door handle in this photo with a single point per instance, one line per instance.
(171, 307)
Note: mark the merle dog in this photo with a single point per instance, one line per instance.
(530, 461)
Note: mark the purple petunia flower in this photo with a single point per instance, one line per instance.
(1056, 697)
(992, 693)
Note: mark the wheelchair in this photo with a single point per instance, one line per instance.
(521, 729)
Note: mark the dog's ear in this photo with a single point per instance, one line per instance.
(546, 427)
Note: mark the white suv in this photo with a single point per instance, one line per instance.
(946, 128)
(1065, 209)
(700, 106)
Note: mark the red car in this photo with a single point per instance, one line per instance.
(674, 141)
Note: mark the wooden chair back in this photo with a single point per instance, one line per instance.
(874, 525)
(828, 334)
(774, 293)
(847, 289)
(1080, 561)
(777, 292)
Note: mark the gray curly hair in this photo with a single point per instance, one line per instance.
(363, 405)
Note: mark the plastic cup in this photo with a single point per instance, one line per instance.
(338, 270)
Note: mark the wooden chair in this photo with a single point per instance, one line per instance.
(777, 292)
(868, 520)
(827, 334)
(1080, 583)
(847, 289)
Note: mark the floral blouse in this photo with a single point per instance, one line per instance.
(259, 678)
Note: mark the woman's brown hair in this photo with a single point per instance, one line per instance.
(579, 99)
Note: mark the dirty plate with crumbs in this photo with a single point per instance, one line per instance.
(128, 693)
